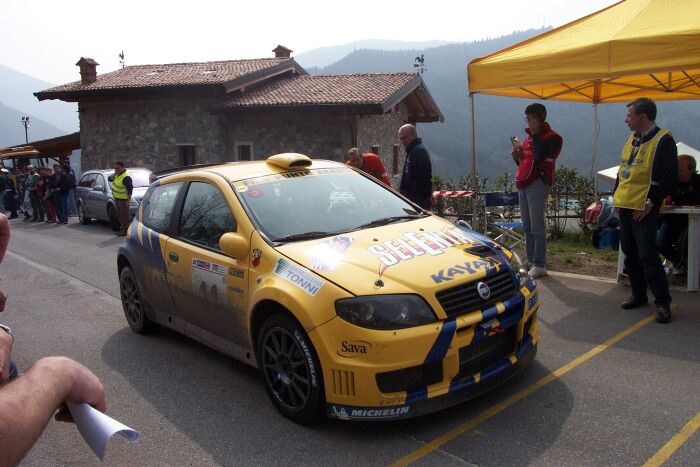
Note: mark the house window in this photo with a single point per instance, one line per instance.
(187, 155)
(244, 151)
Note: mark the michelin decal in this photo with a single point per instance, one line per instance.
(373, 413)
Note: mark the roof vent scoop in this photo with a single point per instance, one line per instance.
(290, 160)
(282, 52)
(88, 70)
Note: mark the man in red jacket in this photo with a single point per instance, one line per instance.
(369, 163)
(535, 159)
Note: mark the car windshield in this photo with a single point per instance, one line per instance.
(316, 203)
(139, 178)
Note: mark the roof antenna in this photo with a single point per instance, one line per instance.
(121, 59)
(420, 64)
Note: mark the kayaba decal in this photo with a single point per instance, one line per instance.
(326, 256)
(298, 276)
(348, 413)
(468, 267)
(413, 244)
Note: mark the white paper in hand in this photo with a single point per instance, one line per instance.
(97, 428)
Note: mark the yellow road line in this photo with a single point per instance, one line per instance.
(674, 443)
(430, 446)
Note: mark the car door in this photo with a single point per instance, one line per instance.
(84, 190)
(150, 239)
(208, 287)
(100, 196)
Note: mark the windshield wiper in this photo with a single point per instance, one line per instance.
(303, 236)
(389, 220)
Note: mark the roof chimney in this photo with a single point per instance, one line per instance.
(88, 70)
(282, 52)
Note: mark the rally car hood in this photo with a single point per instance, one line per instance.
(415, 256)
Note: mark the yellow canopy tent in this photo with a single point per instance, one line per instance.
(631, 49)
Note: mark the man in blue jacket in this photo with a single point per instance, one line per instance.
(417, 177)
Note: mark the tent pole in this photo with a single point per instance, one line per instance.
(596, 131)
(474, 187)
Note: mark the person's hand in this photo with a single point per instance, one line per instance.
(6, 341)
(640, 214)
(668, 201)
(3, 300)
(534, 125)
(83, 387)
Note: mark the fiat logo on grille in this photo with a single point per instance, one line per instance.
(483, 289)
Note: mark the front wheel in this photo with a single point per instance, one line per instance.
(290, 369)
(132, 303)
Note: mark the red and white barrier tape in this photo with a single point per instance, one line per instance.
(452, 194)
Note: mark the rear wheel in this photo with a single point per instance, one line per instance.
(290, 369)
(131, 302)
(81, 215)
(112, 216)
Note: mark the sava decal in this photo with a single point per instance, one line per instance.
(209, 281)
(358, 413)
(326, 256)
(236, 272)
(353, 349)
(307, 355)
(257, 254)
(413, 244)
(468, 267)
(298, 276)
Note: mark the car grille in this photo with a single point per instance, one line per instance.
(464, 298)
(410, 378)
(480, 355)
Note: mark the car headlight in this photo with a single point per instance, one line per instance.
(385, 311)
(519, 268)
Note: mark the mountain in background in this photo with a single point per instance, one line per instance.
(17, 92)
(497, 118)
(12, 131)
(325, 56)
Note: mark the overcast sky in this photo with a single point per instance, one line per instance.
(45, 38)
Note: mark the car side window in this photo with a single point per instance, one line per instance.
(100, 180)
(158, 208)
(205, 216)
(87, 180)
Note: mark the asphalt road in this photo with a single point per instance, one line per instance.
(580, 403)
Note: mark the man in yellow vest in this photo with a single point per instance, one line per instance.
(122, 187)
(648, 173)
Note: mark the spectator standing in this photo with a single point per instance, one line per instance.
(417, 176)
(9, 194)
(369, 163)
(122, 187)
(60, 183)
(48, 195)
(648, 173)
(71, 202)
(3, 185)
(534, 178)
(672, 243)
(34, 194)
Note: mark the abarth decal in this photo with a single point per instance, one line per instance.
(326, 256)
(257, 254)
(298, 276)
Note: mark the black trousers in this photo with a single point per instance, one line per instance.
(642, 261)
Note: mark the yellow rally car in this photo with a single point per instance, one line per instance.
(350, 299)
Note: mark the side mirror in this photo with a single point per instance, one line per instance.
(98, 188)
(234, 245)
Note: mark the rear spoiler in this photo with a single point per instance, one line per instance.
(175, 170)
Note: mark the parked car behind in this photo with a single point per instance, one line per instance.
(94, 195)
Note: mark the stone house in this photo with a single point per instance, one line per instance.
(161, 116)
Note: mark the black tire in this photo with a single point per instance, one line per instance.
(81, 215)
(112, 216)
(133, 305)
(290, 370)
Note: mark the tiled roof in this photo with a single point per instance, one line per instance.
(373, 89)
(170, 75)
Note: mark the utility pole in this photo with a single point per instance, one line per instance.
(25, 122)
